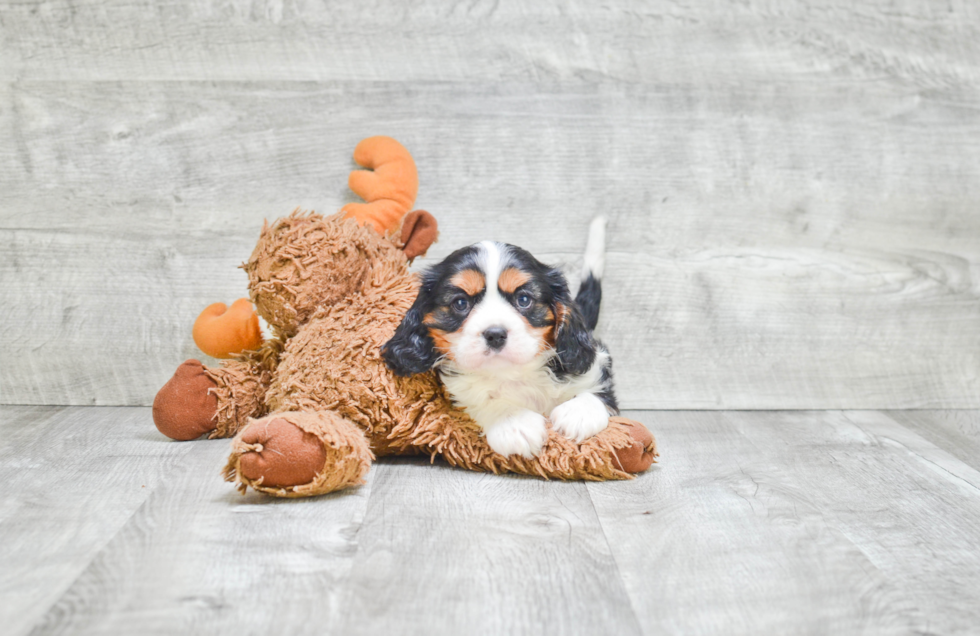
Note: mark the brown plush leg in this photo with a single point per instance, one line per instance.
(240, 386)
(186, 406)
(218, 402)
(623, 448)
(298, 454)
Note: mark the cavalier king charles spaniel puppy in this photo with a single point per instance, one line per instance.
(510, 344)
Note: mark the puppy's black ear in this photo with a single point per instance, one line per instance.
(574, 346)
(411, 350)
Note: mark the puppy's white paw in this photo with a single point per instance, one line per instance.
(523, 434)
(581, 417)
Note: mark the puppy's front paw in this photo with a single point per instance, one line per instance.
(581, 417)
(523, 434)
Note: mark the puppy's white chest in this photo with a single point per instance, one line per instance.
(539, 397)
(530, 388)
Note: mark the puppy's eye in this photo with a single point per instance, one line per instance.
(523, 300)
(461, 304)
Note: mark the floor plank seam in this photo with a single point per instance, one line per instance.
(612, 555)
(42, 623)
(934, 465)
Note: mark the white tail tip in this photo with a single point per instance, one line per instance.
(595, 249)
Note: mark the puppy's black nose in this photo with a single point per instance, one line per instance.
(496, 337)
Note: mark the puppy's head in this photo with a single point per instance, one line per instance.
(485, 307)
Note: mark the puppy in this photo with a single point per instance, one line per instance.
(510, 344)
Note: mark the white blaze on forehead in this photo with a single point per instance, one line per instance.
(493, 310)
(491, 256)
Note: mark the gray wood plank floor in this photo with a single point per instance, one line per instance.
(753, 522)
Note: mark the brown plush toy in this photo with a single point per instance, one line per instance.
(311, 407)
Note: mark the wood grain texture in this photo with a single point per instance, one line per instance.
(200, 558)
(505, 555)
(955, 432)
(792, 190)
(803, 522)
(752, 522)
(752, 299)
(489, 40)
(72, 478)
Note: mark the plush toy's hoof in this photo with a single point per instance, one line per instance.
(643, 452)
(185, 407)
(281, 454)
(299, 454)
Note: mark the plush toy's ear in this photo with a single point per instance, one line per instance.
(419, 231)
(575, 348)
(411, 350)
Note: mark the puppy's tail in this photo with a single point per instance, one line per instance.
(590, 292)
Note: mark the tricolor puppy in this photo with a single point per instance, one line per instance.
(510, 344)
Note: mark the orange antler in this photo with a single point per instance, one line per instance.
(221, 332)
(389, 187)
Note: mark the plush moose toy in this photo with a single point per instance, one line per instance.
(313, 405)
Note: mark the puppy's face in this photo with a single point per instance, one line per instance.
(492, 306)
(487, 306)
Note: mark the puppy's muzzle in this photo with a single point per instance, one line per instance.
(496, 338)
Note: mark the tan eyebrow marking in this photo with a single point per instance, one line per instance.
(510, 279)
(470, 281)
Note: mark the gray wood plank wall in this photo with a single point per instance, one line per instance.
(792, 187)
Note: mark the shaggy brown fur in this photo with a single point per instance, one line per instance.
(334, 292)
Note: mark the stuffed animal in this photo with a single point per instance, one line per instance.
(312, 406)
